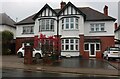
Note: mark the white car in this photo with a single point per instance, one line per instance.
(36, 53)
(112, 53)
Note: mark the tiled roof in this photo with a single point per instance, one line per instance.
(28, 20)
(6, 20)
(91, 15)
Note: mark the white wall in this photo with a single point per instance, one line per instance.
(109, 28)
(19, 31)
(9, 28)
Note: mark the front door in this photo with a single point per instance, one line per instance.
(92, 52)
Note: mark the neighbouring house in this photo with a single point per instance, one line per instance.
(6, 23)
(117, 35)
(83, 31)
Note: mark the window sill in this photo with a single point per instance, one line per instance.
(97, 31)
(71, 30)
(46, 30)
(70, 51)
(27, 33)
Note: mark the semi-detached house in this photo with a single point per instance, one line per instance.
(82, 30)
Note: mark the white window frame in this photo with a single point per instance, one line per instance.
(28, 29)
(67, 21)
(63, 44)
(44, 23)
(97, 27)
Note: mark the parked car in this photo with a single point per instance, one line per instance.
(36, 53)
(111, 53)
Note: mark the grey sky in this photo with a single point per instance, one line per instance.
(23, 8)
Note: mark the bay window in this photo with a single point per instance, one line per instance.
(46, 25)
(70, 23)
(70, 44)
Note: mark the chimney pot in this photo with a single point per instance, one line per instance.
(106, 10)
(62, 4)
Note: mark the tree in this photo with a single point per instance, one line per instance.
(7, 37)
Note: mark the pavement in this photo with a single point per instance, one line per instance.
(13, 62)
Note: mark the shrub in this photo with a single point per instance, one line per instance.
(7, 37)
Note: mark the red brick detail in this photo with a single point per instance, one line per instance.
(86, 54)
(36, 41)
(106, 42)
(98, 55)
(19, 41)
(81, 44)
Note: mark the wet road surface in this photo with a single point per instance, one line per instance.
(83, 63)
(12, 73)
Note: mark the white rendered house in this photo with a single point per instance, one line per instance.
(82, 30)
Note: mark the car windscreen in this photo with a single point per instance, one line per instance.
(114, 49)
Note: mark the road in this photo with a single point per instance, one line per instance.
(20, 74)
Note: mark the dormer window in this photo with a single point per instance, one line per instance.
(46, 25)
(70, 23)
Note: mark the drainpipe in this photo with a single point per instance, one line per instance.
(57, 37)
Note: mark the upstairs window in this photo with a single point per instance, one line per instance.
(70, 23)
(46, 25)
(28, 29)
(97, 27)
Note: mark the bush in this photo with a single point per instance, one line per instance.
(7, 37)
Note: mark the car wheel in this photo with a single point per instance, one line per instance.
(37, 56)
(20, 55)
(107, 58)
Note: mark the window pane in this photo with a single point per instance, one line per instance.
(76, 47)
(76, 41)
(62, 20)
(62, 47)
(62, 26)
(47, 24)
(67, 47)
(71, 47)
(76, 20)
(67, 41)
(52, 25)
(76, 26)
(31, 29)
(71, 41)
(86, 46)
(67, 19)
(62, 41)
(43, 24)
(67, 26)
(72, 25)
(97, 46)
(92, 28)
(71, 19)
(97, 28)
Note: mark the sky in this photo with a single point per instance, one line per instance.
(21, 9)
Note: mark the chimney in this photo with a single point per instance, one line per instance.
(62, 4)
(106, 10)
(115, 26)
